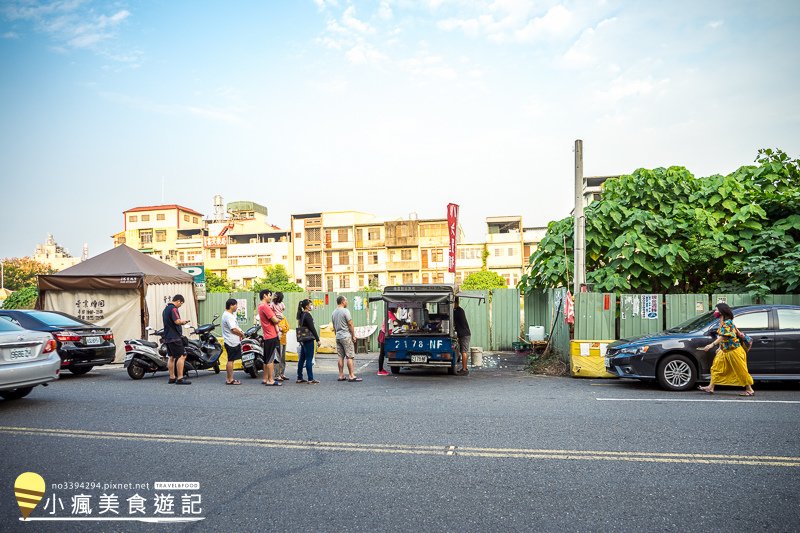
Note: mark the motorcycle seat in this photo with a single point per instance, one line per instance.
(151, 344)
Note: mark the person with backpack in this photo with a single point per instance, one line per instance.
(306, 336)
(730, 363)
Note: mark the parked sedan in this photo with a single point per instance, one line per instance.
(27, 359)
(675, 360)
(81, 345)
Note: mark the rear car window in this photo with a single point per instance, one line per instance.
(7, 326)
(759, 320)
(54, 319)
(789, 318)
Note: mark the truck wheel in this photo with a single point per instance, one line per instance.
(395, 370)
(676, 372)
(81, 370)
(451, 370)
(135, 371)
(16, 394)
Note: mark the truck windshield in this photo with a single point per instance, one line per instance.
(421, 318)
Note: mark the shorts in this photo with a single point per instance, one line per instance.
(234, 352)
(463, 343)
(175, 348)
(270, 347)
(345, 348)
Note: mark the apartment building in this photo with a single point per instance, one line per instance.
(56, 257)
(171, 233)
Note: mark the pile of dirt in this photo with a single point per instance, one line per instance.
(550, 365)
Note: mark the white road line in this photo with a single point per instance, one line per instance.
(365, 365)
(743, 401)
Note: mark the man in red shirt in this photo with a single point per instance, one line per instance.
(269, 330)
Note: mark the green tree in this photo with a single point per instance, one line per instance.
(24, 298)
(276, 279)
(21, 272)
(215, 283)
(483, 280)
(663, 230)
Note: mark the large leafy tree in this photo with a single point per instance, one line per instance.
(276, 279)
(24, 298)
(663, 230)
(483, 280)
(215, 283)
(21, 272)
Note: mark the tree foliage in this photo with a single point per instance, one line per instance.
(215, 283)
(276, 279)
(25, 298)
(21, 272)
(665, 231)
(483, 280)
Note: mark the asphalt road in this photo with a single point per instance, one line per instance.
(499, 450)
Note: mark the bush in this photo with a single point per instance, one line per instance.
(22, 299)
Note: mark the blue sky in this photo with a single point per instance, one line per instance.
(392, 107)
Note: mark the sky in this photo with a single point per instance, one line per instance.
(393, 107)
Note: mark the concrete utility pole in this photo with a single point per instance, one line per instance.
(580, 222)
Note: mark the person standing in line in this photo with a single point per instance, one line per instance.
(305, 352)
(382, 340)
(283, 328)
(173, 339)
(730, 363)
(269, 331)
(345, 339)
(232, 337)
(463, 333)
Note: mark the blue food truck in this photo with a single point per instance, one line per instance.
(422, 334)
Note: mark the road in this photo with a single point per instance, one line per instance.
(498, 450)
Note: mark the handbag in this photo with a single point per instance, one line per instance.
(304, 334)
(745, 340)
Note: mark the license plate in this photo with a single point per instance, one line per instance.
(608, 362)
(92, 341)
(419, 358)
(18, 354)
(246, 358)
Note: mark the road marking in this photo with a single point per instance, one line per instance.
(365, 365)
(419, 449)
(691, 400)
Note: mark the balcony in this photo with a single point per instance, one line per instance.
(403, 265)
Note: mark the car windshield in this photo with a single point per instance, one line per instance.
(56, 320)
(694, 324)
(6, 326)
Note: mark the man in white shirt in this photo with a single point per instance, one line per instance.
(232, 336)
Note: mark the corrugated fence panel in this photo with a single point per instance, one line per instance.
(683, 307)
(214, 304)
(536, 310)
(783, 299)
(640, 314)
(560, 337)
(505, 318)
(595, 316)
(732, 299)
(477, 312)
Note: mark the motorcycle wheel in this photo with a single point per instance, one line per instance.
(135, 371)
(252, 372)
(188, 367)
(216, 368)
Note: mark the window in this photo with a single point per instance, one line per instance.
(405, 255)
(424, 278)
(328, 236)
(374, 234)
(437, 256)
(343, 237)
(344, 282)
(223, 253)
(145, 218)
(344, 258)
(161, 235)
(359, 235)
(233, 262)
(433, 230)
(213, 253)
(512, 252)
(146, 237)
(440, 277)
(507, 277)
(265, 260)
(186, 218)
(758, 320)
(498, 252)
(408, 277)
(298, 235)
(313, 234)
(374, 280)
(329, 280)
(161, 216)
(133, 218)
(285, 257)
(373, 258)
(314, 280)
(298, 258)
(789, 318)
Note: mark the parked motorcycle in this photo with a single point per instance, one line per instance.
(252, 352)
(143, 356)
(204, 353)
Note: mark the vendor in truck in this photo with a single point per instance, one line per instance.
(463, 333)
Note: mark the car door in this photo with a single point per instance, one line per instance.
(787, 341)
(761, 357)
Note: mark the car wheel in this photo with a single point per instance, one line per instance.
(676, 372)
(16, 394)
(395, 370)
(135, 371)
(81, 370)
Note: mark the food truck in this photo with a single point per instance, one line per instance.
(422, 334)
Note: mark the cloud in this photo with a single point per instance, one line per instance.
(714, 24)
(556, 21)
(513, 21)
(363, 53)
(429, 66)
(10, 35)
(584, 50)
(323, 4)
(349, 20)
(231, 115)
(624, 87)
(385, 10)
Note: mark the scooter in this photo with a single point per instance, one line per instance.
(252, 352)
(204, 353)
(143, 356)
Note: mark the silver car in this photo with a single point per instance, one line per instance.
(27, 358)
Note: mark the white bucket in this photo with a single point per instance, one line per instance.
(536, 333)
(476, 355)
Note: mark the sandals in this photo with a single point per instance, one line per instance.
(301, 381)
(706, 390)
(234, 382)
(342, 379)
(312, 382)
(273, 384)
(748, 393)
(355, 380)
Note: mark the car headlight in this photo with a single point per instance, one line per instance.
(635, 350)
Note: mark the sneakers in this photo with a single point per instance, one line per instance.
(383, 373)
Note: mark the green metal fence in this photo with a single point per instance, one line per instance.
(505, 318)
(640, 314)
(595, 316)
(683, 307)
(477, 312)
(541, 309)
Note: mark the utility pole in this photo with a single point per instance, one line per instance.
(579, 278)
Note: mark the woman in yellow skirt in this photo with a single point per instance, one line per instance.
(730, 363)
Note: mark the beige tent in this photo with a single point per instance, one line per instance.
(122, 289)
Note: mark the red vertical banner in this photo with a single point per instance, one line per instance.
(452, 229)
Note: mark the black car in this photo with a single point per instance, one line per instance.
(81, 345)
(675, 359)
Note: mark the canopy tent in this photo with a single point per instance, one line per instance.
(122, 288)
